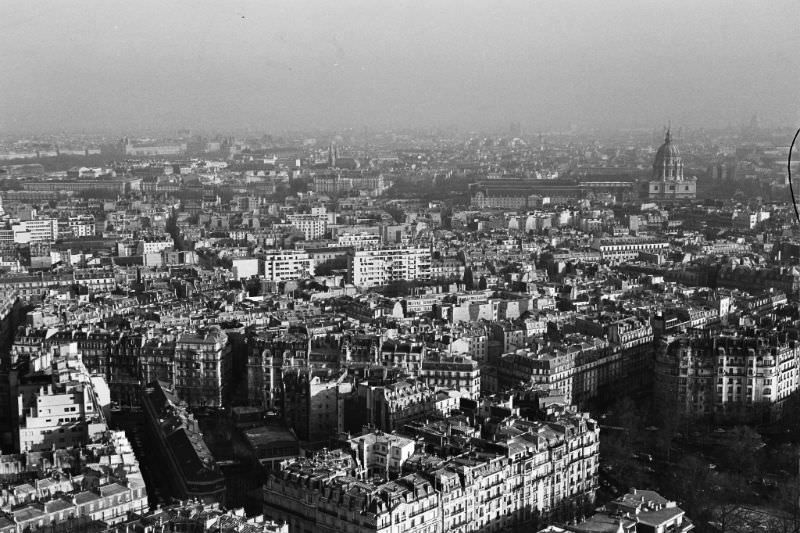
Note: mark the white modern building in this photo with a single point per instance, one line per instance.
(359, 241)
(369, 268)
(285, 265)
(82, 225)
(628, 248)
(154, 245)
(41, 230)
(57, 403)
(313, 225)
(244, 267)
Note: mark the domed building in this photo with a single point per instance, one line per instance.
(668, 182)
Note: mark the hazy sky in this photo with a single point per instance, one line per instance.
(120, 66)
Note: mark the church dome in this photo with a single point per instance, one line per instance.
(668, 164)
(668, 149)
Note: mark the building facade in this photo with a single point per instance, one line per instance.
(59, 404)
(287, 265)
(479, 491)
(668, 182)
(370, 268)
(456, 373)
(699, 374)
(313, 226)
(202, 367)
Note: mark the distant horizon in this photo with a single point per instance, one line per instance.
(311, 65)
(178, 132)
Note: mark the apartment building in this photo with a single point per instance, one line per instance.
(456, 373)
(287, 265)
(405, 353)
(392, 405)
(58, 403)
(324, 494)
(202, 367)
(490, 488)
(358, 241)
(154, 245)
(510, 336)
(136, 360)
(421, 304)
(471, 340)
(370, 268)
(195, 362)
(447, 268)
(632, 338)
(313, 403)
(267, 353)
(583, 368)
(751, 373)
(344, 182)
(37, 230)
(244, 267)
(618, 249)
(758, 279)
(82, 225)
(311, 225)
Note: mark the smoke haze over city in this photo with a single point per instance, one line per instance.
(117, 66)
(440, 266)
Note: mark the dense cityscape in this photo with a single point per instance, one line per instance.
(400, 332)
(399, 267)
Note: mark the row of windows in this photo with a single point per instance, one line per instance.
(671, 188)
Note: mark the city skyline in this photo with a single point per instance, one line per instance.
(444, 267)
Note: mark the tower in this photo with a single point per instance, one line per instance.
(333, 155)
